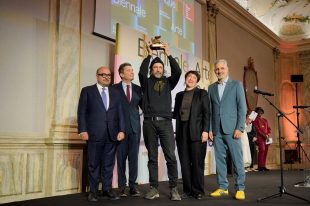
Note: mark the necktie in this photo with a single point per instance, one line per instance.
(104, 97)
(128, 93)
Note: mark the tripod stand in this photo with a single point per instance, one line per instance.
(298, 143)
(299, 147)
(282, 189)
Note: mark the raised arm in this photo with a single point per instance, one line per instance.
(175, 68)
(143, 72)
(175, 72)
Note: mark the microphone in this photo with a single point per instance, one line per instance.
(302, 107)
(262, 93)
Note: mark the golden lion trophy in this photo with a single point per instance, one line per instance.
(156, 43)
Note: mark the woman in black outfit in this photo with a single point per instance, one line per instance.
(191, 112)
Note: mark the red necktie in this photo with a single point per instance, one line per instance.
(128, 93)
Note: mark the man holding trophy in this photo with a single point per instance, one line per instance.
(157, 124)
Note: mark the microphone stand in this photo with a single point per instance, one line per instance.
(282, 189)
(298, 144)
(300, 148)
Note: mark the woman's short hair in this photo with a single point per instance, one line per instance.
(196, 73)
(259, 109)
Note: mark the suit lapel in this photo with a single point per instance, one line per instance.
(97, 94)
(195, 98)
(180, 99)
(216, 91)
(121, 90)
(110, 98)
(134, 92)
(227, 88)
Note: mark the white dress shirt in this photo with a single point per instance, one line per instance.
(221, 87)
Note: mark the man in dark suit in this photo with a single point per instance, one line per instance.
(102, 124)
(129, 147)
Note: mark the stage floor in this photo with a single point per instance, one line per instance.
(258, 185)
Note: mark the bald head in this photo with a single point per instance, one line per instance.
(103, 75)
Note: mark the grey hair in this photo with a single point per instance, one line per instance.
(224, 61)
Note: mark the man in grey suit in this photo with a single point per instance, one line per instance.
(228, 112)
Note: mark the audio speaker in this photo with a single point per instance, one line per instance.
(297, 78)
(290, 156)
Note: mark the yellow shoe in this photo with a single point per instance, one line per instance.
(240, 195)
(219, 193)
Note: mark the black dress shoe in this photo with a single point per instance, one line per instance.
(266, 169)
(110, 194)
(261, 169)
(122, 192)
(200, 197)
(134, 192)
(92, 197)
(185, 196)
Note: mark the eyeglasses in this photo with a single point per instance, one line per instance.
(104, 75)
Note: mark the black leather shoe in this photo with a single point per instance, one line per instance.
(261, 169)
(266, 169)
(200, 197)
(122, 192)
(92, 197)
(185, 196)
(134, 192)
(110, 194)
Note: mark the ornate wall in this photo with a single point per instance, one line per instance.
(34, 166)
(297, 61)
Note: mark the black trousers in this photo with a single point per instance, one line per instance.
(252, 149)
(192, 158)
(128, 148)
(161, 130)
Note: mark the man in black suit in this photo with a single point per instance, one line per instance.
(102, 124)
(129, 147)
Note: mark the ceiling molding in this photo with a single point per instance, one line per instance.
(293, 47)
(233, 11)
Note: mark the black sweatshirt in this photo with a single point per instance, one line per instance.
(156, 99)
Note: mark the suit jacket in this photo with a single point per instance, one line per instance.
(131, 110)
(262, 127)
(199, 119)
(229, 112)
(95, 119)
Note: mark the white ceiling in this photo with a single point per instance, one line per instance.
(289, 19)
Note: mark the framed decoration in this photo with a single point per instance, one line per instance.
(250, 82)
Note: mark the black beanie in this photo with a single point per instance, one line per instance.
(156, 60)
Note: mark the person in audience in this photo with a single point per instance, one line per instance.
(263, 131)
(251, 131)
